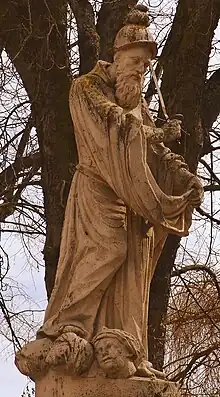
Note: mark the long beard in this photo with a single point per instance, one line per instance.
(127, 91)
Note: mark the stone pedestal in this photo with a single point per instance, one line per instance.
(58, 385)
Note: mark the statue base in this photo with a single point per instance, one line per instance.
(55, 384)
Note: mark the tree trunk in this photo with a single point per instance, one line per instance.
(185, 60)
(36, 44)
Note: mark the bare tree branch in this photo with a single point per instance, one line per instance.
(10, 174)
(8, 180)
(210, 170)
(211, 188)
(181, 375)
(207, 215)
(185, 269)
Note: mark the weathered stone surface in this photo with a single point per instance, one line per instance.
(31, 359)
(128, 192)
(55, 385)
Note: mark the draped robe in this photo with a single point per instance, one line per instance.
(120, 210)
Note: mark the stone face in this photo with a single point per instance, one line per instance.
(118, 353)
(55, 385)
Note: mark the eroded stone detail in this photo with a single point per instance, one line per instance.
(72, 353)
(31, 359)
(69, 353)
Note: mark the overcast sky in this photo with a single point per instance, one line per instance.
(31, 281)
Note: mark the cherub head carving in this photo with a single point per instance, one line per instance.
(117, 352)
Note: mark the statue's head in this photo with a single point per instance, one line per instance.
(117, 352)
(134, 46)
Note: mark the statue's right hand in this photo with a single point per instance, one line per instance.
(172, 130)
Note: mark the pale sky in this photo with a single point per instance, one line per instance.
(31, 280)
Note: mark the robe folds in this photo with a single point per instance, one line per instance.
(119, 212)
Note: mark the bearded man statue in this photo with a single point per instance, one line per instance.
(128, 193)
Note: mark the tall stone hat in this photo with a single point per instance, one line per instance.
(135, 31)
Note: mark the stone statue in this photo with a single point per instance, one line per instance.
(128, 192)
